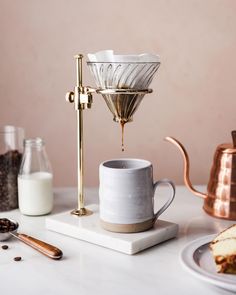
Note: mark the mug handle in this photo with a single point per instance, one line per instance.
(171, 198)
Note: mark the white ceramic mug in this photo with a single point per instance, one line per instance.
(126, 195)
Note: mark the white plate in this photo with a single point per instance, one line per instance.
(198, 260)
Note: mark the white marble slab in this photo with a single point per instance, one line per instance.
(88, 229)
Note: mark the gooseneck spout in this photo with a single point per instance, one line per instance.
(186, 166)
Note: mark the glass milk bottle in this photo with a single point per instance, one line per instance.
(35, 179)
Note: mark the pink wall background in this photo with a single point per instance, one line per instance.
(194, 95)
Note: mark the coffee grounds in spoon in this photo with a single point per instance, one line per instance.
(6, 225)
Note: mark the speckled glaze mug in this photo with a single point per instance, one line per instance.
(126, 195)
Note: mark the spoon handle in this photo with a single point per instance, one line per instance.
(46, 249)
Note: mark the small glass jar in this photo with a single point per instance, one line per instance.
(11, 148)
(35, 179)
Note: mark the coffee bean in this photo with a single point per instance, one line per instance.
(4, 247)
(18, 258)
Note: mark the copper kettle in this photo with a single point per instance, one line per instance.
(220, 199)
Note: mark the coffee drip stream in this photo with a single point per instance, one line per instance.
(123, 81)
(122, 136)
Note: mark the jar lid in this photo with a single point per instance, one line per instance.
(10, 129)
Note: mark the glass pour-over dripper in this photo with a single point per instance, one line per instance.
(123, 80)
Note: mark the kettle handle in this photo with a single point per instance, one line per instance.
(186, 166)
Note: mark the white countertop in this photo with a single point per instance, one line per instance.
(91, 269)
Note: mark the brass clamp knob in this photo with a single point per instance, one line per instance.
(70, 96)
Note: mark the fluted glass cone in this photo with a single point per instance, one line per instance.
(112, 71)
(123, 106)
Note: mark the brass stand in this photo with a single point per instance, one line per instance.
(82, 99)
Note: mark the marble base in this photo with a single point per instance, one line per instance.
(87, 228)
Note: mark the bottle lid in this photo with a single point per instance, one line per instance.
(34, 142)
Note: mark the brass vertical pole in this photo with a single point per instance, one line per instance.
(81, 101)
(80, 159)
(80, 136)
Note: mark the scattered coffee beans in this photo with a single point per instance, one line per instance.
(18, 258)
(4, 247)
(6, 225)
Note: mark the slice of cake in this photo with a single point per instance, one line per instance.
(224, 250)
(229, 232)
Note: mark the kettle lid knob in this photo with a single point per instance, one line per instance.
(233, 133)
(228, 148)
